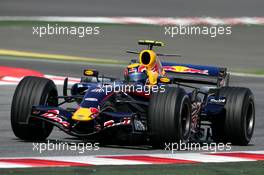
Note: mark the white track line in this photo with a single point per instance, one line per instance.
(143, 20)
(203, 157)
(95, 160)
(12, 165)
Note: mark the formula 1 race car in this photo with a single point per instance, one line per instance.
(157, 102)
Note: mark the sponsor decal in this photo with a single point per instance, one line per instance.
(53, 115)
(91, 99)
(126, 121)
(99, 89)
(220, 100)
(110, 123)
(184, 69)
(94, 111)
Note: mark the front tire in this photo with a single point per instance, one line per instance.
(169, 117)
(32, 91)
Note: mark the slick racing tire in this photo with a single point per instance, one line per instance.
(32, 91)
(236, 123)
(169, 117)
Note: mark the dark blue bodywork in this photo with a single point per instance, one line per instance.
(93, 95)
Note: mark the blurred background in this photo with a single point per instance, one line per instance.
(172, 8)
(242, 51)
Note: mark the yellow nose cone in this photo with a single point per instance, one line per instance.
(83, 114)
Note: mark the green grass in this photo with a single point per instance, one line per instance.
(249, 71)
(258, 72)
(84, 60)
(239, 168)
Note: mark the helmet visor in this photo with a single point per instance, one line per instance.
(137, 77)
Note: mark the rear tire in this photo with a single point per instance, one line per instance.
(236, 123)
(169, 117)
(32, 91)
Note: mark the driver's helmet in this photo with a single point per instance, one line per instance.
(134, 73)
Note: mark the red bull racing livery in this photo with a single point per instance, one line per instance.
(156, 103)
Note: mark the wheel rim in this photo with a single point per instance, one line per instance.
(250, 119)
(185, 120)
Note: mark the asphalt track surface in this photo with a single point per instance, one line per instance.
(173, 8)
(243, 50)
(10, 146)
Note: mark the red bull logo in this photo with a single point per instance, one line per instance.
(184, 69)
(53, 115)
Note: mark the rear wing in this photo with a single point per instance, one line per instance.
(190, 73)
(150, 43)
